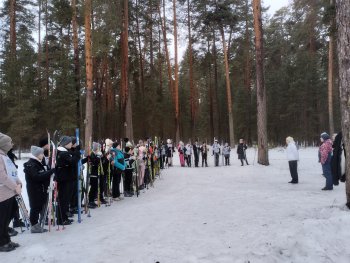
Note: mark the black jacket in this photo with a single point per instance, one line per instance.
(66, 163)
(38, 180)
(94, 164)
(241, 150)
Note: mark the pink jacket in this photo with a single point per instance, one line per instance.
(325, 149)
(7, 184)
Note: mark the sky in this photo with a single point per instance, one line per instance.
(275, 5)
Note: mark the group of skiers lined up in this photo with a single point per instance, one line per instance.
(187, 151)
(331, 155)
(113, 169)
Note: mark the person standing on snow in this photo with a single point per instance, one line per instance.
(169, 152)
(196, 151)
(325, 152)
(226, 152)
(118, 161)
(204, 150)
(181, 150)
(10, 185)
(38, 179)
(293, 158)
(241, 148)
(216, 152)
(188, 153)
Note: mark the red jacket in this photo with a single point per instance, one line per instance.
(325, 150)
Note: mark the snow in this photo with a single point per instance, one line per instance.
(224, 214)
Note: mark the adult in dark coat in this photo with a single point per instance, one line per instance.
(37, 178)
(196, 150)
(338, 148)
(241, 148)
(66, 162)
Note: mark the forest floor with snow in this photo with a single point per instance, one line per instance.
(216, 214)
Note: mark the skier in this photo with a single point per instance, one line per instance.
(181, 151)
(293, 158)
(66, 162)
(325, 151)
(196, 151)
(95, 172)
(169, 152)
(188, 153)
(226, 152)
(163, 151)
(10, 185)
(38, 179)
(129, 160)
(241, 148)
(204, 150)
(141, 166)
(118, 162)
(17, 222)
(216, 152)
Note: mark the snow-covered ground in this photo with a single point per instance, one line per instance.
(225, 214)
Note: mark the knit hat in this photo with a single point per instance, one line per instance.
(289, 139)
(74, 140)
(115, 144)
(65, 140)
(127, 149)
(129, 145)
(108, 142)
(36, 151)
(95, 146)
(325, 136)
(43, 142)
(5, 142)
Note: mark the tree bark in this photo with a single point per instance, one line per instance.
(263, 157)
(228, 90)
(192, 87)
(343, 24)
(125, 94)
(13, 29)
(176, 73)
(331, 76)
(76, 62)
(89, 75)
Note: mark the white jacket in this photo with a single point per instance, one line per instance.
(292, 152)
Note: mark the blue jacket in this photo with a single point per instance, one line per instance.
(119, 161)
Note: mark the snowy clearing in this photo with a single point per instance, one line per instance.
(225, 214)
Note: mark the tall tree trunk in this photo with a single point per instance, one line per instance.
(46, 52)
(215, 91)
(171, 83)
(331, 75)
(263, 157)
(41, 88)
(89, 75)
(176, 73)
(343, 23)
(160, 91)
(13, 37)
(228, 90)
(125, 94)
(76, 62)
(151, 33)
(192, 87)
(211, 104)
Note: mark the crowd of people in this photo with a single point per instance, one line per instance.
(331, 155)
(115, 169)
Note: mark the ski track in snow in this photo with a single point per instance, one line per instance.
(207, 215)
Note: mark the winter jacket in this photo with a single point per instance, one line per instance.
(241, 150)
(196, 150)
(169, 150)
(38, 180)
(66, 162)
(216, 148)
(226, 151)
(325, 151)
(119, 161)
(94, 162)
(204, 149)
(292, 152)
(8, 180)
(129, 161)
(188, 150)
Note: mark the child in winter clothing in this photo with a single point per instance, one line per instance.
(119, 163)
(204, 149)
(226, 153)
(325, 152)
(66, 162)
(10, 185)
(188, 154)
(293, 158)
(241, 148)
(216, 152)
(196, 150)
(181, 150)
(38, 179)
(95, 172)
